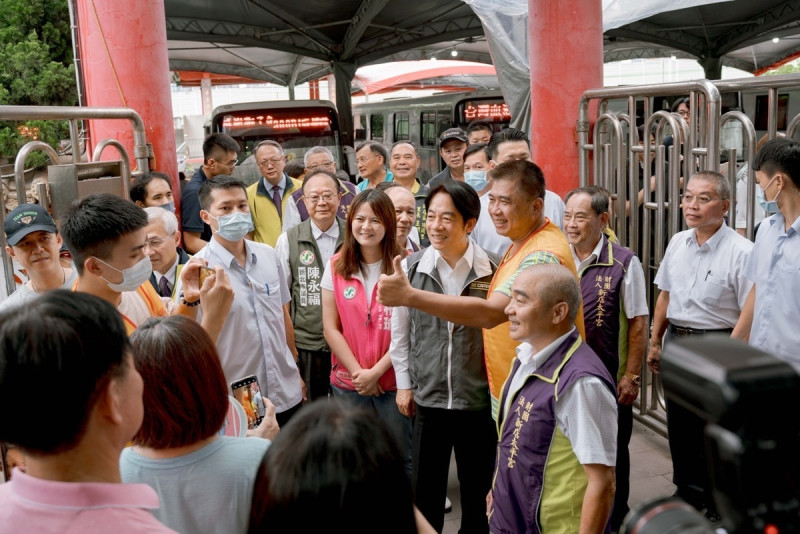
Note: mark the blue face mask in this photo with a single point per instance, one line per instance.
(770, 206)
(235, 226)
(169, 206)
(477, 179)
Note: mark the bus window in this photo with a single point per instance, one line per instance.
(444, 118)
(297, 128)
(428, 133)
(360, 125)
(376, 127)
(401, 126)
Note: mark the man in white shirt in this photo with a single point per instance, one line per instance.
(303, 252)
(166, 257)
(702, 290)
(257, 338)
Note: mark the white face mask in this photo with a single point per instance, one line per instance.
(132, 277)
(477, 179)
(235, 226)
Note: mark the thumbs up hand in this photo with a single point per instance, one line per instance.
(394, 289)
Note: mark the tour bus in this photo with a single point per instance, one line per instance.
(296, 124)
(422, 120)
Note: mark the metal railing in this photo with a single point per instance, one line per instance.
(621, 164)
(73, 114)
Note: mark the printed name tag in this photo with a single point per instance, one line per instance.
(479, 286)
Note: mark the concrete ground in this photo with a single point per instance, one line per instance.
(651, 474)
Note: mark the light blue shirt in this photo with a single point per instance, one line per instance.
(774, 267)
(208, 490)
(253, 339)
(362, 186)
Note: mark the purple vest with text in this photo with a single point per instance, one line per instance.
(526, 434)
(601, 288)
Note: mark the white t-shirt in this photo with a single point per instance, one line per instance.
(368, 276)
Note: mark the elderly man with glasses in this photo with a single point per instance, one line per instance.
(269, 196)
(702, 291)
(318, 158)
(166, 257)
(303, 252)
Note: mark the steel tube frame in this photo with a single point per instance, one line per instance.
(140, 150)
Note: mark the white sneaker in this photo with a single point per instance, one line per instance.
(448, 506)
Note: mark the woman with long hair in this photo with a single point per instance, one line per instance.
(204, 480)
(356, 326)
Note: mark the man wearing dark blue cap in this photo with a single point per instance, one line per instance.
(33, 241)
(452, 144)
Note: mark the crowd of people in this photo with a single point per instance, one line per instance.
(478, 315)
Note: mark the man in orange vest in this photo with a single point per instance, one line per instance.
(106, 236)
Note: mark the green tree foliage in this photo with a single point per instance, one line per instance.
(37, 69)
(788, 68)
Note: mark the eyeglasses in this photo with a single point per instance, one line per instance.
(264, 163)
(683, 113)
(155, 242)
(326, 197)
(362, 159)
(325, 165)
(230, 164)
(701, 199)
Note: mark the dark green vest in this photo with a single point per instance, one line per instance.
(307, 267)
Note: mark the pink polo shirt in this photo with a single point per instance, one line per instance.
(29, 504)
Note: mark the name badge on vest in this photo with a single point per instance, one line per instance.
(306, 257)
(479, 286)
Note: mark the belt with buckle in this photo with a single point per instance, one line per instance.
(686, 331)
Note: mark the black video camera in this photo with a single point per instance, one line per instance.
(751, 403)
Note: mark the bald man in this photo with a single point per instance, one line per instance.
(558, 416)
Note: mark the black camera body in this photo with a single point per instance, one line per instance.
(751, 402)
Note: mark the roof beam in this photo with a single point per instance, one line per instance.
(295, 70)
(760, 24)
(244, 41)
(364, 15)
(226, 68)
(650, 33)
(316, 37)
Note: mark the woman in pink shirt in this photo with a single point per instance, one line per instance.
(356, 326)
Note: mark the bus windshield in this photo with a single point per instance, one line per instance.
(296, 128)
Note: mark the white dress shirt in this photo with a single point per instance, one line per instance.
(706, 284)
(253, 339)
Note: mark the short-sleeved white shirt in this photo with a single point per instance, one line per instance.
(706, 284)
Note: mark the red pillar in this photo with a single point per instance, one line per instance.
(123, 48)
(566, 51)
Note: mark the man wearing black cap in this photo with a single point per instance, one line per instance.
(33, 241)
(452, 144)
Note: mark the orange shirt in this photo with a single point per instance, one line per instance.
(545, 245)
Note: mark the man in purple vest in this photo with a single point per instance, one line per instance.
(557, 417)
(615, 314)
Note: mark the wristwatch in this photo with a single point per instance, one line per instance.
(636, 379)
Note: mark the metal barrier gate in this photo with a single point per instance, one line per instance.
(68, 182)
(621, 163)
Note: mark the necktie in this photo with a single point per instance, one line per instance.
(163, 287)
(276, 198)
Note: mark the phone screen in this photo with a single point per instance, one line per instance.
(248, 393)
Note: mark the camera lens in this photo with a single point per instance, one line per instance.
(666, 515)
